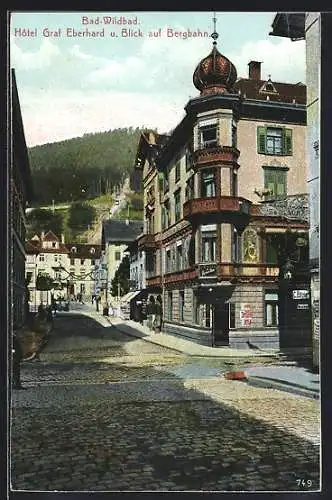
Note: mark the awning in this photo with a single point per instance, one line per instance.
(130, 296)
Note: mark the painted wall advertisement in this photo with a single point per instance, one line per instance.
(246, 315)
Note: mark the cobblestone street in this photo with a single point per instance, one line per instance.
(104, 411)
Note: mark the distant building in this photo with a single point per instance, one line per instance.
(83, 266)
(226, 212)
(71, 266)
(116, 235)
(21, 192)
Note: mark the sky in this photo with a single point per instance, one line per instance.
(70, 84)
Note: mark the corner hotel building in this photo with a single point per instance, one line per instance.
(225, 196)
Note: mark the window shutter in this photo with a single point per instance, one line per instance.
(270, 182)
(281, 183)
(288, 146)
(261, 139)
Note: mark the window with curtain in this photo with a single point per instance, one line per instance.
(209, 246)
(208, 183)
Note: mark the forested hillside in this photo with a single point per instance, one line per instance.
(84, 167)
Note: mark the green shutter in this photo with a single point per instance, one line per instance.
(261, 139)
(288, 143)
(270, 182)
(281, 183)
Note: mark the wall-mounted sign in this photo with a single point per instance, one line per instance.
(246, 315)
(301, 294)
(302, 306)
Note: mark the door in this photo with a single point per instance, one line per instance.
(220, 325)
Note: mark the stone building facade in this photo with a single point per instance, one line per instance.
(215, 237)
(20, 189)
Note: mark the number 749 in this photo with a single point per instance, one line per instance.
(305, 483)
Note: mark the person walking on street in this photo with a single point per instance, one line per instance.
(17, 358)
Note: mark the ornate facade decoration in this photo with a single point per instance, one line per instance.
(250, 246)
(294, 207)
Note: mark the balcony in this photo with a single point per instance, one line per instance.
(217, 209)
(216, 154)
(147, 241)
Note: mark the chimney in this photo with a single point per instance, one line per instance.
(62, 238)
(42, 236)
(255, 70)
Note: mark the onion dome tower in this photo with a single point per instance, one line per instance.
(215, 73)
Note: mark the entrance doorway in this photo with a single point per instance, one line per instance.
(220, 324)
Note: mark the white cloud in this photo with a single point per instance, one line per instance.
(284, 61)
(40, 59)
(76, 52)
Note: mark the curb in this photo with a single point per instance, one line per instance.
(282, 386)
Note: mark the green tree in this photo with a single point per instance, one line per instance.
(120, 282)
(81, 215)
(44, 220)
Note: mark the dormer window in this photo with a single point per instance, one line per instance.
(73, 249)
(268, 87)
(92, 250)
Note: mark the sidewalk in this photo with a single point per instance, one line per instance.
(178, 344)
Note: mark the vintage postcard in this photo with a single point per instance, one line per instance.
(164, 215)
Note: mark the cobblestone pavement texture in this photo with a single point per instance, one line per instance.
(105, 412)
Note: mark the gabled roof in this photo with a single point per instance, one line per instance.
(286, 92)
(31, 248)
(50, 236)
(118, 231)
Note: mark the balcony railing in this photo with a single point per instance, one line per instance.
(216, 205)
(216, 154)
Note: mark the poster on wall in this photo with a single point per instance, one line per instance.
(246, 315)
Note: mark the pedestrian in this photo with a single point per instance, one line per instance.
(151, 312)
(17, 357)
(159, 314)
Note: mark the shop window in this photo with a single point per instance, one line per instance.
(208, 315)
(274, 140)
(231, 315)
(177, 203)
(196, 309)
(208, 136)
(275, 181)
(208, 183)
(271, 308)
(181, 305)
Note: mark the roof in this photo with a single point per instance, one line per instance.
(289, 25)
(84, 251)
(50, 236)
(31, 248)
(118, 231)
(286, 92)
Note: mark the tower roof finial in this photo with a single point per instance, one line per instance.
(214, 35)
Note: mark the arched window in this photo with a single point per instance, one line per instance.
(73, 249)
(92, 250)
